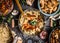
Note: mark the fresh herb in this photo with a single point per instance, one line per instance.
(22, 1)
(9, 19)
(33, 23)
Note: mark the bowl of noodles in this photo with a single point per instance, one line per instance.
(31, 22)
(54, 36)
(49, 7)
(5, 34)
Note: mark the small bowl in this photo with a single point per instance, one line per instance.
(8, 11)
(46, 13)
(30, 9)
(53, 31)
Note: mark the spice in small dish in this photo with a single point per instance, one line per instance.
(15, 12)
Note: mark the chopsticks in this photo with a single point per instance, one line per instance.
(19, 6)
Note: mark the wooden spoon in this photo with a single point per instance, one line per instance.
(19, 6)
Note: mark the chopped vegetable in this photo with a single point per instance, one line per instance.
(33, 23)
(9, 19)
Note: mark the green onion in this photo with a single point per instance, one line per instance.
(33, 23)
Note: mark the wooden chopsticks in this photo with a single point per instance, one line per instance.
(19, 6)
